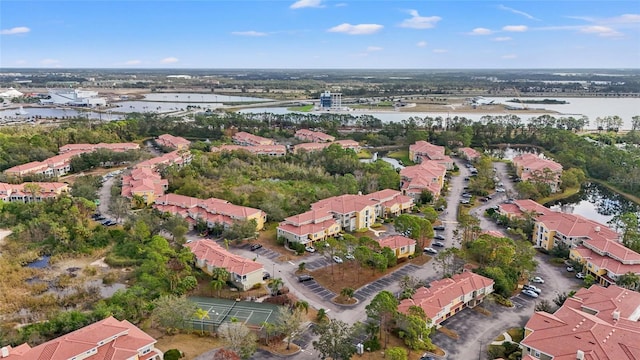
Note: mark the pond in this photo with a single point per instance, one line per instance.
(509, 152)
(595, 202)
(41, 263)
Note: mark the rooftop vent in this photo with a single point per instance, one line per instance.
(579, 355)
(616, 315)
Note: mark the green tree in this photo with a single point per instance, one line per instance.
(119, 207)
(383, 308)
(275, 285)
(347, 292)
(301, 305)
(322, 315)
(241, 230)
(334, 340)
(629, 281)
(290, 323)
(217, 285)
(589, 280)
(396, 353)
(544, 305)
(201, 314)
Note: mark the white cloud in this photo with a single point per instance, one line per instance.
(420, 22)
(509, 56)
(515, 28)
(15, 30)
(49, 62)
(518, 12)
(249, 33)
(502, 38)
(169, 60)
(440, 51)
(133, 62)
(421, 44)
(341, 5)
(481, 31)
(306, 4)
(374, 48)
(360, 29)
(599, 30)
(21, 62)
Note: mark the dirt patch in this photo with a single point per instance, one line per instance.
(345, 300)
(336, 277)
(481, 310)
(191, 344)
(450, 333)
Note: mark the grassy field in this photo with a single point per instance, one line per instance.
(402, 155)
(305, 108)
(191, 344)
(562, 195)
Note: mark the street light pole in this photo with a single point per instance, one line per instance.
(480, 351)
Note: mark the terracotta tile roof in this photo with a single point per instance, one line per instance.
(570, 330)
(212, 206)
(605, 262)
(93, 147)
(494, 233)
(171, 141)
(572, 225)
(344, 204)
(534, 163)
(347, 144)
(250, 139)
(443, 292)
(433, 152)
(606, 300)
(384, 195)
(395, 242)
(613, 249)
(470, 153)
(306, 229)
(129, 339)
(46, 190)
(315, 136)
(309, 217)
(279, 150)
(217, 256)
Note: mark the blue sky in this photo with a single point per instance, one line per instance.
(320, 34)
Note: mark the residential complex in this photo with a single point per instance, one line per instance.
(444, 298)
(173, 142)
(422, 150)
(313, 136)
(330, 216)
(246, 139)
(214, 212)
(31, 191)
(60, 165)
(310, 147)
(108, 339)
(535, 168)
(469, 154)
(145, 183)
(596, 323)
(592, 244)
(244, 273)
(520, 209)
(178, 158)
(428, 175)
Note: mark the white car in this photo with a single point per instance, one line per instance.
(349, 257)
(538, 280)
(500, 190)
(431, 251)
(570, 268)
(532, 288)
(530, 293)
(310, 249)
(337, 259)
(580, 275)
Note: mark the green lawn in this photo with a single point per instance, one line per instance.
(305, 108)
(364, 154)
(562, 195)
(402, 155)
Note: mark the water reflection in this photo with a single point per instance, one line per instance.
(595, 202)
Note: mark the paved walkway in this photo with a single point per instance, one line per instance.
(507, 338)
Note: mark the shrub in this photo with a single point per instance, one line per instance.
(280, 240)
(502, 300)
(376, 225)
(256, 286)
(90, 271)
(372, 344)
(557, 261)
(173, 354)
(298, 247)
(110, 278)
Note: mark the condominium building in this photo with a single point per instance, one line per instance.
(173, 142)
(530, 167)
(117, 147)
(145, 183)
(318, 146)
(402, 246)
(445, 298)
(313, 136)
(108, 339)
(31, 191)
(520, 209)
(247, 139)
(243, 272)
(422, 150)
(595, 323)
(469, 154)
(269, 150)
(428, 175)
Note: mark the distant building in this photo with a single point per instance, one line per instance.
(445, 298)
(595, 323)
(313, 136)
(108, 339)
(318, 146)
(10, 93)
(173, 142)
(330, 101)
(243, 272)
(269, 150)
(145, 183)
(31, 191)
(422, 151)
(117, 147)
(469, 154)
(530, 167)
(246, 139)
(74, 97)
(178, 158)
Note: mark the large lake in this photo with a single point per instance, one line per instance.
(626, 108)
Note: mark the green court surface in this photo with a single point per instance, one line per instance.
(252, 314)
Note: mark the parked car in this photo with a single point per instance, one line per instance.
(349, 257)
(500, 190)
(310, 249)
(110, 223)
(266, 275)
(464, 201)
(255, 247)
(466, 195)
(439, 237)
(538, 280)
(570, 269)
(580, 275)
(439, 228)
(337, 259)
(431, 251)
(303, 278)
(532, 288)
(530, 293)
(426, 356)
(438, 243)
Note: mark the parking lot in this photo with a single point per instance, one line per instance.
(318, 262)
(375, 287)
(313, 287)
(263, 251)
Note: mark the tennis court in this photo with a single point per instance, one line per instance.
(252, 314)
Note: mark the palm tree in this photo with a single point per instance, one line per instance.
(275, 285)
(220, 274)
(217, 284)
(301, 305)
(322, 315)
(347, 292)
(201, 314)
(302, 266)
